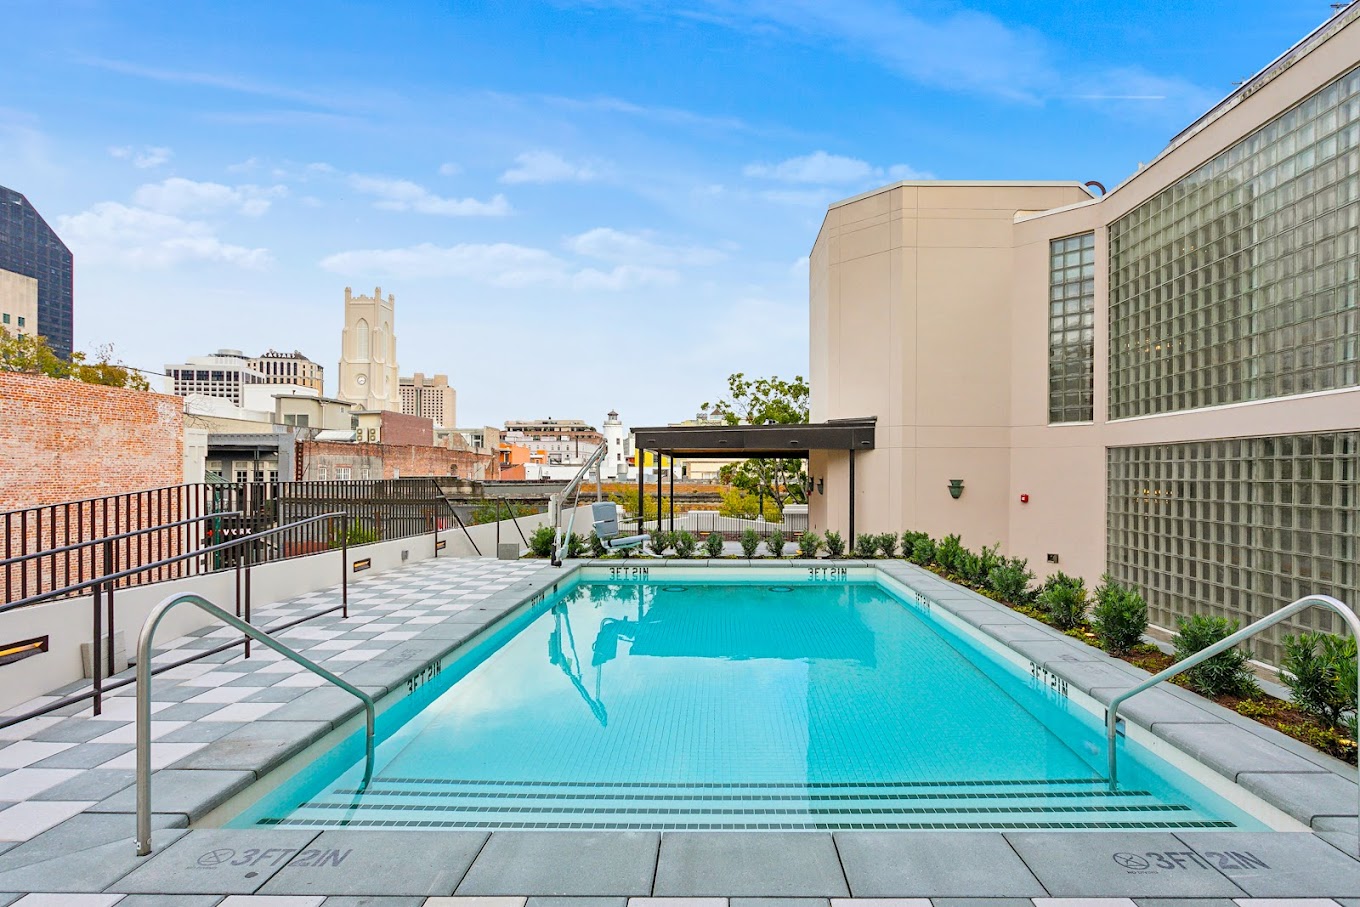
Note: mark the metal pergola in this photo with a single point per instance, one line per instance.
(697, 442)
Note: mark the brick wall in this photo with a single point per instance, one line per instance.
(392, 461)
(401, 429)
(65, 440)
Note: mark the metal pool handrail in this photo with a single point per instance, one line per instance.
(144, 698)
(1308, 601)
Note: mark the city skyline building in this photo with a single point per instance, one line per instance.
(30, 248)
(431, 398)
(225, 374)
(290, 368)
(368, 352)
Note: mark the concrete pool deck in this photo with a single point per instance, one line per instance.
(220, 725)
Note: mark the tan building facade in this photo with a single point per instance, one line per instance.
(290, 368)
(368, 352)
(430, 398)
(1162, 382)
(18, 303)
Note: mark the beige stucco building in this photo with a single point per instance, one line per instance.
(18, 303)
(368, 352)
(290, 368)
(1162, 382)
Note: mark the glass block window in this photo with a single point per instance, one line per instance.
(1242, 280)
(1071, 328)
(1238, 528)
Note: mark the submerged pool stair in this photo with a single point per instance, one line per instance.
(977, 804)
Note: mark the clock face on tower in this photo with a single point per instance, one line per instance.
(361, 379)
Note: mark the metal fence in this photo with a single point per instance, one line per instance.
(730, 527)
(46, 549)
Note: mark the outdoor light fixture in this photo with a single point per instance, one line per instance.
(956, 488)
(819, 486)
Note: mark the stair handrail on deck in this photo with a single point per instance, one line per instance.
(144, 698)
(1308, 601)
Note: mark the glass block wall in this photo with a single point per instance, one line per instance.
(1237, 527)
(1242, 280)
(1071, 328)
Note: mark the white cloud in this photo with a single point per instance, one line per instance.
(138, 238)
(546, 167)
(145, 157)
(607, 244)
(179, 196)
(825, 169)
(818, 167)
(404, 195)
(449, 168)
(504, 265)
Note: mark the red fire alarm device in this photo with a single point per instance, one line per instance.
(1024, 499)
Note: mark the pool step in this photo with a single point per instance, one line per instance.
(1022, 804)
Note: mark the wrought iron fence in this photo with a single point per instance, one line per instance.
(55, 546)
(729, 527)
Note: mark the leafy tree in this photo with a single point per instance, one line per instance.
(762, 401)
(488, 512)
(31, 355)
(745, 505)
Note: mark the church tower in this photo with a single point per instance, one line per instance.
(368, 352)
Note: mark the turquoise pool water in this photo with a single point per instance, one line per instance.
(737, 705)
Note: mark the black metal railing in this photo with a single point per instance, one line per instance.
(52, 547)
(243, 556)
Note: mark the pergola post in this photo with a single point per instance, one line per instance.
(852, 500)
(640, 456)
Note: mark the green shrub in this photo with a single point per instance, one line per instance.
(1120, 616)
(750, 542)
(909, 540)
(923, 551)
(866, 545)
(576, 545)
(949, 553)
(887, 544)
(1010, 580)
(987, 560)
(597, 547)
(713, 545)
(356, 533)
(809, 543)
(1224, 674)
(541, 542)
(1346, 677)
(1063, 597)
(659, 541)
(1313, 663)
(775, 543)
(685, 543)
(835, 544)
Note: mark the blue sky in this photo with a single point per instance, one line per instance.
(579, 204)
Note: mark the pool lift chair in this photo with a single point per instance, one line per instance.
(604, 514)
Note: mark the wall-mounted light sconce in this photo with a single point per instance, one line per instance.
(956, 488)
(820, 486)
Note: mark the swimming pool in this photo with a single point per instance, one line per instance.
(786, 700)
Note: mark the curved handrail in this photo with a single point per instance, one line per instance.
(144, 698)
(1308, 601)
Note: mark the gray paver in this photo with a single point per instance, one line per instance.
(201, 732)
(328, 703)
(749, 864)
(1009, 902)
(564, 863)
(791, 902)
(945, 864)
(1295, 864)
(1340, 833)
(192, 793)
(366, 901)
(1088, 675)
(1155, 706)
(276, 694)
(379, 863)
(188, 711)
(1232, 750)
(1120, 864)
(215, 861)
(86, 755)
(69, 837)
(1052, 651)
(94, 784)
(1184, 902)
(7, 899)
(170, 900)
(257, 747)
(73, 730)
(87, 858)
(1304, 796)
